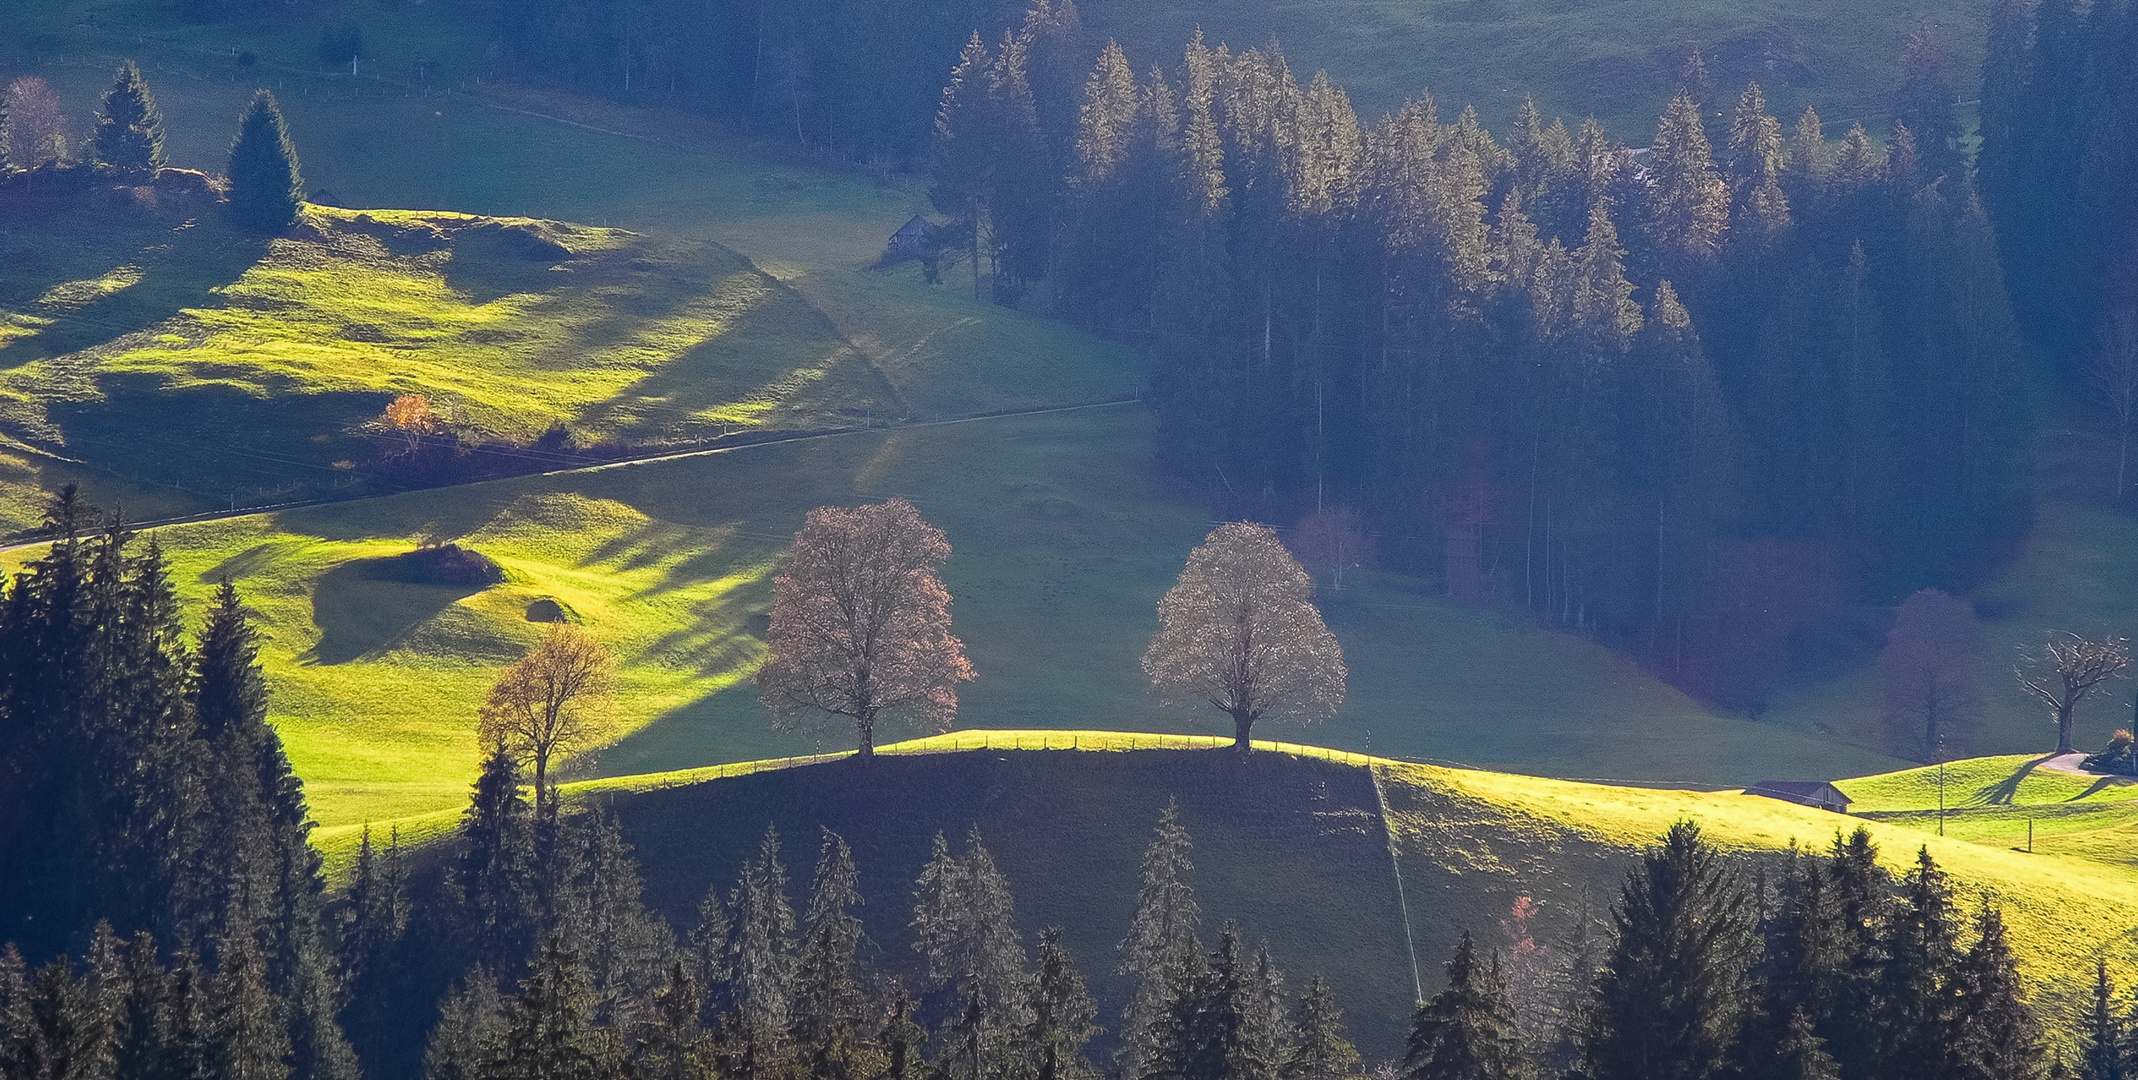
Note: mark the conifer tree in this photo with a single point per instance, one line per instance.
(494, 875)
(1161, 942)
(962, 922)
(548, 1031)
(1061, 1012)
(760, 948)
(1924, 105)
(1108, 116)
(960, 183)
(1689, 205)
(1602, 303)
(1669, 1004)
(671, 1045)
(828, 1002)
(2101, 1049)
(1995, 1036)
(600, 912)
(250, 1036)
(1467, 1031)
(129, 129)
(1858, 166)
(188, 1021)
(1321, 1049)
(1797, 978)
(470, 1020)
(1809, 163)
(266, 186)
(1915, 1018)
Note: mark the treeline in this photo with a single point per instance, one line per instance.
(1694, 402)
(2059, 148)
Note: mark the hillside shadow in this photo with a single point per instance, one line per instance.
(219, 439)
(50, 267)
(2100, 785)
(361, 610)
(2007, 789)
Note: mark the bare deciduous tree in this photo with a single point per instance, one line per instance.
(555, 700)
(1927, 674)
(33, 129)
(2065, 669)
(1239, 632)
(2115, 377)
(861, 623)
(1330, 542)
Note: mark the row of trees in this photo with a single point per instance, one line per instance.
(266, 185)
(1637, 391)
(860, 629)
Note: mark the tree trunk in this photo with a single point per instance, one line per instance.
(2063, 728)
(866, 725)
(1241, 722)
(541, 781)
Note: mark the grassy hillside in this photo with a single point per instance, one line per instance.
(1294, 844)
(2003, 801)
(166, 346)
(1063, 544)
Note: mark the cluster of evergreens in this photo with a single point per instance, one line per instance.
(1683, 400)
(150, 822)
(2059, 146)
(266, 185)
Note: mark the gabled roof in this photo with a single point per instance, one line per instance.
(1803, 792)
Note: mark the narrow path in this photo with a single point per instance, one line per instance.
(618, 463)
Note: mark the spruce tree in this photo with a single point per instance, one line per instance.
(494, 874)
(1916, 990)
(960, 184)
(828, 1000)
(1995, 1036)
(548, 1031)
(1924, 104)
(1467, 1031)
(1688, 203)
(1161, 939)
(2101, 1051)
(963, 925)
(266, 185)
(1669, 1005)
(251, 1038)
(470, 1021)
(1320, 1049)
(760, 948)
(671, 1045)
(129, 129)
(1061, 1012)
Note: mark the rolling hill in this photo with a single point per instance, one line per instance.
(1347, 865)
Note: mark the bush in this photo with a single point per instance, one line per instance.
(442, 564)
(2117, 757)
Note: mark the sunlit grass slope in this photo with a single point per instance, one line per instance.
(1063, 544)
(168, 346)
(2005, 801)
(1294, 843)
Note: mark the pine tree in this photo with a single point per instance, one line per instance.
(960, 183)
(760, 948)
(1924, 105)
(1467, 1031)
(548, 1031)
(494, 875)
(1108, 116)
(1669, 1004)
(1915, 1018)
(1161, 939)
(1809, 163)
(2101, 1051)
(1689, 205)
(470, 1021)
(250, 1037)
(1797, 978)
(1603, 304)
(1995, 1036)
(671, 1045)
(1858, 166)
(129, 129)
(963, 925)
(1061, 1012)
(1321, 1049)
(828, 1002)
(266, 186)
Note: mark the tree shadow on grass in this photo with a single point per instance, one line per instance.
(360, 609)
(2007, 789)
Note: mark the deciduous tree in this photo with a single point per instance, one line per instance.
(1240, 632)
(554, 701)
(410, 417)
(861, 623)
(2065, 669)
(1329, 542)
(1927, 674)
(33, 129)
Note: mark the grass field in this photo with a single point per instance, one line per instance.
(1063, 545)
(1287, 837)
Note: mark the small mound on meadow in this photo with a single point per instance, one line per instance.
(444, 564)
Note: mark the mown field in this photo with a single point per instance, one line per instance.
(1290, 835)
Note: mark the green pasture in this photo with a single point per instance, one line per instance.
(1063, 543)
(2010, 802)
